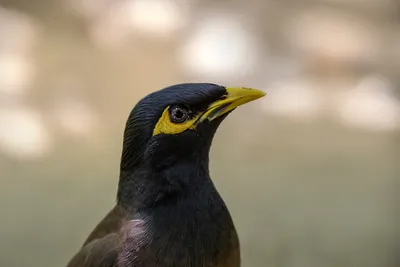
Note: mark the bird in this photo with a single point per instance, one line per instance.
(168, 212)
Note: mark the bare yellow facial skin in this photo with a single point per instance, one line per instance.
(166, 126)
(235, 96)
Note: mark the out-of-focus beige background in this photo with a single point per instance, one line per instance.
(309, 172)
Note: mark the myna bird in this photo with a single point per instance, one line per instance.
(168, 211)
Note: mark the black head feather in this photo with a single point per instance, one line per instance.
(138, 139)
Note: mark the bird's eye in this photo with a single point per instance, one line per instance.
(179, 114)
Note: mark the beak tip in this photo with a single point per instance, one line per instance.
(262, 93)
(257, 93)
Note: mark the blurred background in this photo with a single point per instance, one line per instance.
(309, 172)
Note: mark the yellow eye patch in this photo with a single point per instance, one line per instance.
(166, 126)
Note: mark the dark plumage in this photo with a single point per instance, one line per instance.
(168, 212)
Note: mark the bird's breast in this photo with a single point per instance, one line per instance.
(181, 235)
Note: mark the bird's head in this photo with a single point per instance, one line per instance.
(178, 123)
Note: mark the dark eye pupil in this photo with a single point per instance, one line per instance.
(179, 114)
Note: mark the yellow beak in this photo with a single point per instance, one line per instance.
(236, 96)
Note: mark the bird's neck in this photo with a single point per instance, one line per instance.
(148, 185)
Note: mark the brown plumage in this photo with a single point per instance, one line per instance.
(168, 211)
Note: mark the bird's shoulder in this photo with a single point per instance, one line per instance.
(121, 246)
(101, 246)
(111, 223)
(102, 252)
